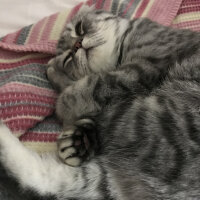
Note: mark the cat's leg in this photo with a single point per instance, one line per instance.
(88, 96)
(45, 174)
(78, 105)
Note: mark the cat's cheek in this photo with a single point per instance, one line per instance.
(87, 43)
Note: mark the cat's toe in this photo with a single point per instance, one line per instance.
(78, 144)
(66, 57)
(73, 161)
(72, 148)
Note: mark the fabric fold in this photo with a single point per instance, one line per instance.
(27, 100)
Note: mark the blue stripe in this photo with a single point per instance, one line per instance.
(23, 35)
(48, 125)
(114, 7)
(34, 74)
(132, 8)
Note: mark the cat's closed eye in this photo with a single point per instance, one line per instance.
(79, 28)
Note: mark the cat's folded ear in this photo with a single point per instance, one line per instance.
(85, 9)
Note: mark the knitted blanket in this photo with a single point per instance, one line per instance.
(27, 100)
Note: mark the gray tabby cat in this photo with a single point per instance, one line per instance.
(129, 102)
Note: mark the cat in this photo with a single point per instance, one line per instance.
(129, 102)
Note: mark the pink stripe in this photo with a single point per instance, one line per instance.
(22, 110)
(25, 97)
(190, 2)
(39, 137)
(189, 9)
(141, 8)
(191, 28)
(128, 6)
(21, 125)
(164, 12)
(48, 27)
(11, 55)
(10, 38)
(98, 4)
(23, 122)
(74, 11)
(107, 5)
(89, 2)
(17, 87)
(195, 28)
(17, 35)
(43, 46)
(4, 38)
(188, 24)
(36, 31)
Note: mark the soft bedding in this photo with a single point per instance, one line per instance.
(17, 14)
(27, 100)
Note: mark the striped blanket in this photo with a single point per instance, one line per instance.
(27, 100)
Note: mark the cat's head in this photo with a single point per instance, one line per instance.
(90, 42)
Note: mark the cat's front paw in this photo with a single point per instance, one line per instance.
(78, 144)
(61, 61)
(56, 71)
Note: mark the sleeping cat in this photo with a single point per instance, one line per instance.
(129, 102)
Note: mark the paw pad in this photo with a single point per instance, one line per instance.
(75, 145)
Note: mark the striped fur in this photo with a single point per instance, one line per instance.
(144, 111)
(145, 108)
(23, 48)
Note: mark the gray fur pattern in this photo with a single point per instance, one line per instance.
(129, 102)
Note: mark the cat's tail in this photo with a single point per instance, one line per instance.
(45, 174)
